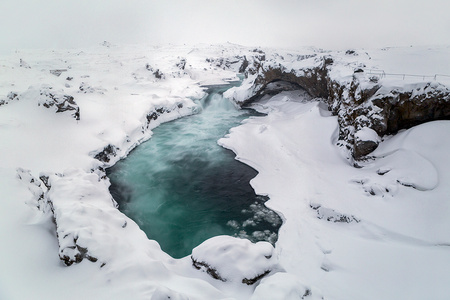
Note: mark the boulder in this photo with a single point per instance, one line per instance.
(235, 260)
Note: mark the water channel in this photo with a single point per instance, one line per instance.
(182, 188)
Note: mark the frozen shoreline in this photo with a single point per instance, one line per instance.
(309, 182)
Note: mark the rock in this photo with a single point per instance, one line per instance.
(366, 140)
(331, 215)
(88, 89)
(363, 148)
(158, 74)
(250, 262)
(181, 64)
(359, 103)
(106, 153)
(148, 67)
(11, 96)
(57, 72)
(61, 102)
(34, 186)
(244, 65)
(313, 80)
(93, 220)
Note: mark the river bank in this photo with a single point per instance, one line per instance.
(335, 216)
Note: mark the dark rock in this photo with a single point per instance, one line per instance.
(45, 181)
(158, 74)
(244, 65)
(152, 116)
(149, 67)
(106, 153)
(12, 96)
(80, 254)
(313, 80)
(307, 293)
(255, 279)
(363, 148)
(181, 64)
(331, 215)
(208, 269)
(61, 102)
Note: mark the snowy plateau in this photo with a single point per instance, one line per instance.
(352, 152)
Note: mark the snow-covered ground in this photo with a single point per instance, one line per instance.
(377, 232)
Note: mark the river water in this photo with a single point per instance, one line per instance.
(182, 188)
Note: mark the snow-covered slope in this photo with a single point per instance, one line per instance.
(378, 232)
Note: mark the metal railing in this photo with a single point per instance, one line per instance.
(383, 74)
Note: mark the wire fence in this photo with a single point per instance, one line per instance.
(383, 74)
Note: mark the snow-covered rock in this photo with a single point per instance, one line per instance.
(360, 98)
(235, 260)
(347, 233)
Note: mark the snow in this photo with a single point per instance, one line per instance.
(235, 259)
(377, 232)
(385, 236)
(367, 134)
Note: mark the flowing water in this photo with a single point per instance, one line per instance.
(181, 188)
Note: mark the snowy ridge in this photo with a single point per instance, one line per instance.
(335, 216)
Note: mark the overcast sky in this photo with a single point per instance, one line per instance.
(329, 24)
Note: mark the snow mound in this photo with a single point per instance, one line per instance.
(85, 215)
(284, 286)
(235, 260)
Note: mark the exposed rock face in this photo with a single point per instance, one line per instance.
(106, 153)
(404, 109)
(359, 102)
(383, 110)
(312, 79)
(60, 101)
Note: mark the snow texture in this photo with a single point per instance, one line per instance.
(380, 231)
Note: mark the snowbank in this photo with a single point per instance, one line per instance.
(347, 234)
(375, 232)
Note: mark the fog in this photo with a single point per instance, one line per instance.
(329, 24)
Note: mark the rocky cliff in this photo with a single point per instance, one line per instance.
(367, 106)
